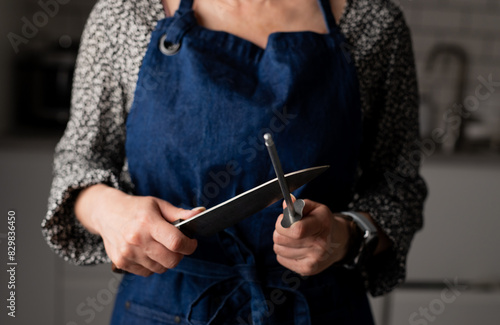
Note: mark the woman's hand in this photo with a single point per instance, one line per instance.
(137, 231)
(314, 243)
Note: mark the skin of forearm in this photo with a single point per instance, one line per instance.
(87, 202)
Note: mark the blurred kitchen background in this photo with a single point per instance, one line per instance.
(457, 48)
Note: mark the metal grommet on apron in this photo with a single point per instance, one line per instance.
(167, 47)
(194, 138)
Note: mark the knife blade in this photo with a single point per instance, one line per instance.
(244, 205)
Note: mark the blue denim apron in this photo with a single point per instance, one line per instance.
(194, 138)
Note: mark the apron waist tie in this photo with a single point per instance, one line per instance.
(239, 275)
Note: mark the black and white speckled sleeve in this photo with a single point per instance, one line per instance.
(91, 150)
(389, 186)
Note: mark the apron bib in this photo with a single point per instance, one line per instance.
(204, 100)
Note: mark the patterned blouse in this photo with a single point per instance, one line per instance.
(92, 151)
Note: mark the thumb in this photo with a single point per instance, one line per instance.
(309, 207)
(172, 213)
(186, 214)
(293, 200)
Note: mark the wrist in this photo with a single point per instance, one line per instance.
(352, 240)
(91, 201)
(363, 239)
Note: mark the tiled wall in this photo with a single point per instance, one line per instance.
(474, 26)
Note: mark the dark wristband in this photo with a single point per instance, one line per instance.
(354, 242)
(364, 240)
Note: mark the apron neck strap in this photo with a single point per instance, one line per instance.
(185, 6)
(326, 8)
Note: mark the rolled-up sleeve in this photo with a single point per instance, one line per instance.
(91, 150)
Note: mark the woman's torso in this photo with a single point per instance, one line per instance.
(205, 105)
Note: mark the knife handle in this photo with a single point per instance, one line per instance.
(288, 220)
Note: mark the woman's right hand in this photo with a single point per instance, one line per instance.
(137, 232)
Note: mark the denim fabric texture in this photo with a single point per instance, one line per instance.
(195, 138)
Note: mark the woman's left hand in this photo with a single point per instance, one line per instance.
(314, 243)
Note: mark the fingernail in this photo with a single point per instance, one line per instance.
(201, 209)
(293, 197)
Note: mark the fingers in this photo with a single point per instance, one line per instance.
(311, 206)
(172, 213)
(168, 211)
(155, 258)
(134, 268)
(133, 261)
(293, 200)
(304, 267)
(144, 267)
(288, 241)
(139, 270)
(306, 247)
(147, 243)
(299, 248)
(310, 225)
(173, 239)
(159, 259)
(169, 236)
(296, 253)
(191, 213)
